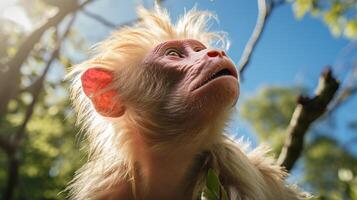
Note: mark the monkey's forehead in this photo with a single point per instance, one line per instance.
(175, 42)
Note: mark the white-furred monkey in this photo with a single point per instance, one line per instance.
(154, 101)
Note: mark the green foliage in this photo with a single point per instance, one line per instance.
(339, 15)
(35, 9)
(3, 172)
(214, 189)
(329, 170)
(269, 113)
(10, 34)
(48, 153)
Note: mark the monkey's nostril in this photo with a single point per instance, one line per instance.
(213, 53)
(223, 53)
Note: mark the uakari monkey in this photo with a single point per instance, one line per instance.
(154, 102)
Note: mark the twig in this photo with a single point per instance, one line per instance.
(306, 112)
(264, 11)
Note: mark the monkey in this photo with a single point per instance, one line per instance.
(154, 101)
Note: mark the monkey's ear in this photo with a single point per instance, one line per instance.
(94, 83)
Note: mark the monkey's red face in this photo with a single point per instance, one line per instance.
(180, 82)
(203, 82)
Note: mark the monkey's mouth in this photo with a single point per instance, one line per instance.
(216, 75)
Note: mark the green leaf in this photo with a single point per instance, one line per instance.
(212, 183)
(224, 195)
(214, 189)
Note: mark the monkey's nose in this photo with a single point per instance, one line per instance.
(215, 53)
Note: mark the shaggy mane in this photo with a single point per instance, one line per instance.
(109, 155)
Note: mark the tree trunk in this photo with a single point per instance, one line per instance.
(13, 166)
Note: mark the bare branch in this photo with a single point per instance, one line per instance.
(263, 14)
(306, 112)
(39, 83)
(264, 11)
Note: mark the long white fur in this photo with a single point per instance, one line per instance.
(256, 176)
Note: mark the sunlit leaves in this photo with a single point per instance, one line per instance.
(269, 112)
(10, 35)
(351, 29)
(334, 19)
(48, 152)
(339, 15)
(301, 7)
(36, 9)
(330, 170)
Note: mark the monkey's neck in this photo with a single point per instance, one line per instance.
(162, 175)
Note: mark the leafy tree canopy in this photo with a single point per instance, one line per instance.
(339, 15)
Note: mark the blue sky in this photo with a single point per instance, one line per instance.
(291, 52)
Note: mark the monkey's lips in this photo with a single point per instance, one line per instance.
(220, 71)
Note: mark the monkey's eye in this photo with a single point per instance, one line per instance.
(197, 49)
(173, 52)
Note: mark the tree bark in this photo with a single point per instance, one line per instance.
(306, 112)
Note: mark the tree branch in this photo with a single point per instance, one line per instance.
(39, 83)
(9, 79)
(306, 112)
(13, 167)
(14, 157)
(264, 11)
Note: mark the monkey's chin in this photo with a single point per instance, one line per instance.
(227, 86)
(218, 94)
